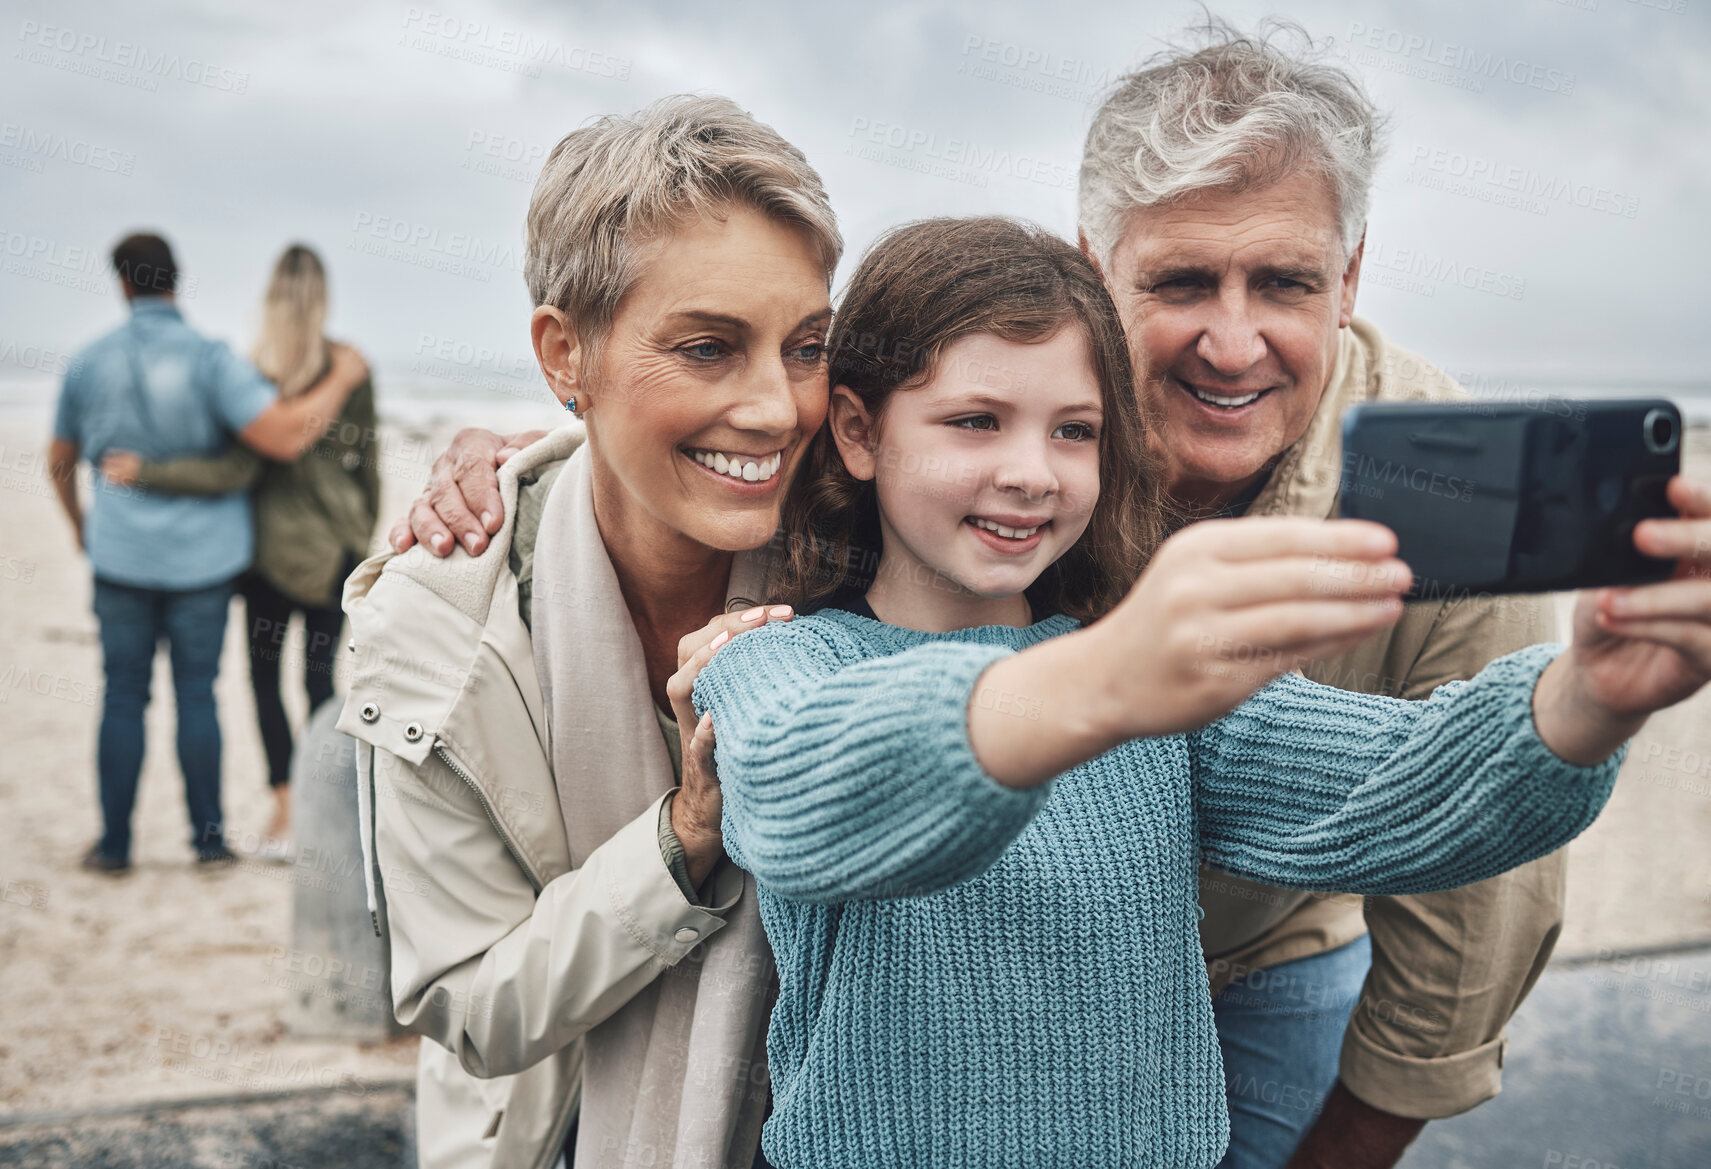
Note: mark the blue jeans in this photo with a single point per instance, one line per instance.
(1281, 1033)
(133, 622)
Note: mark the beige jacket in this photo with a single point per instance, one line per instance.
(503, 957)
(1448, 969)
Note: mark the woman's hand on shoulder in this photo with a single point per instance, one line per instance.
(121, 468)
(698, 807)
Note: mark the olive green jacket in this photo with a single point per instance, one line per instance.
(314, 517)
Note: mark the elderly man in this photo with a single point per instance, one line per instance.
(1224, 196)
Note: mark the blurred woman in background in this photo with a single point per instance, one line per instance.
(313, 517)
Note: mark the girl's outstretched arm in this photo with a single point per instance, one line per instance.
(1313, 787)
(1224, 607)
(849, 779)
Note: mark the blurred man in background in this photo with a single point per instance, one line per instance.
(1224, 195)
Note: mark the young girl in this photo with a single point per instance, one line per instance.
(979, 963)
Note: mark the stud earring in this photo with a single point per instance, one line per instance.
(570, 403)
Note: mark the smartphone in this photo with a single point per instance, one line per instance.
(1511, 497)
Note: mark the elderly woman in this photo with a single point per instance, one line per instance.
(587, 969)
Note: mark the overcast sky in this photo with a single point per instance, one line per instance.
(1542, 212)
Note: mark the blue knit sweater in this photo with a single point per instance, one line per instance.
(975, 975)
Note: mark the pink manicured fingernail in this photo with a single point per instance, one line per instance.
(487, 519)
(751, 615)
(779, 611)
(469, 542)
(440, 543)
(721, 639)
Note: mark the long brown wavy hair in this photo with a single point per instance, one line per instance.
(919, 288)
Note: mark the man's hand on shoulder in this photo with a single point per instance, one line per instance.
(290, 426)
(461, 502)
(348, 366)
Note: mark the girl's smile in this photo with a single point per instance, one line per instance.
(1008, 535)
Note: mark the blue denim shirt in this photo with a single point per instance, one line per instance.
(195, 394)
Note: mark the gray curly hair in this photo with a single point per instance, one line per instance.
(1237, 113)
(611, 187)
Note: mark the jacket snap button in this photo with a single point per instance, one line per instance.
(370, 712)
(686, 934)
(413, 732)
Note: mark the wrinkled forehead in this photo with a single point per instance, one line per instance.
(1287, 224)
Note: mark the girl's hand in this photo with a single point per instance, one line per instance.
(121, 468)
(1636, 649)
(1228, 605)
(698, 806)
(1224, 607)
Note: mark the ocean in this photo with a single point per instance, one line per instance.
(409, 400)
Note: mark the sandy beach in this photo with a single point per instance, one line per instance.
(171, 983)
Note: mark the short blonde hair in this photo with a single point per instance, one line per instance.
(609, 188)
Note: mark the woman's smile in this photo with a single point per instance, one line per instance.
(748, 473)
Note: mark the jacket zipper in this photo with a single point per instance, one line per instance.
(561, 1126)
(462, 773)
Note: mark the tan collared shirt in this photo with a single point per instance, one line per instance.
(1448, 969)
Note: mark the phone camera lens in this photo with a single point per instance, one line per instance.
(1660, 432)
